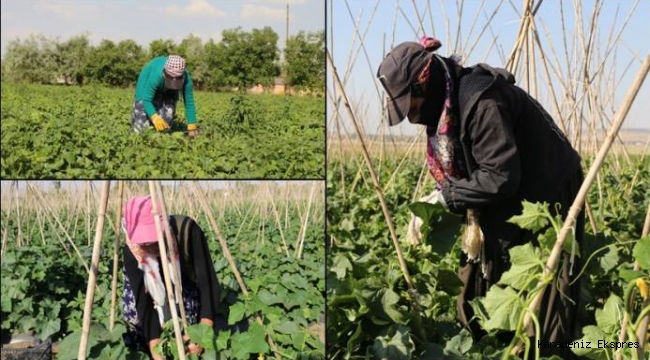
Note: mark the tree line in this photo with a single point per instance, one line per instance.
(240, 59)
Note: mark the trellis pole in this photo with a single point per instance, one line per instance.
(116, 251)
(165, 265)
(92, 278)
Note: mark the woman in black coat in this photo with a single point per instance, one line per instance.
(145, 301)
(490, 146)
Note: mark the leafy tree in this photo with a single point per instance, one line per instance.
(31, 60)
(70, 57)
(133, 59)
(191, 48)
(305, 61)
(210, 59)
(115, 65)
(248, 58)
(161, 47)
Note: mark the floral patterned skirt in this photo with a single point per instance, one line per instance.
(134, 336)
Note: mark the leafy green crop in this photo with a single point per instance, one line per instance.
(44, 286)
(70, 132)
(372, 313)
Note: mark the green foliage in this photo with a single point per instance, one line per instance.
(65, 133)
(241, 59)
(245, 58)
(115, 64)
(371, 312)
(30, 60)
(305, 61)
(43, 287)
(37, 293)
(70, 59)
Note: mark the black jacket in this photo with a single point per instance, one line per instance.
(512, 146)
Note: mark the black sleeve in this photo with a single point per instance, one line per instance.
(147, 315)
(206, 278)
(498, 169)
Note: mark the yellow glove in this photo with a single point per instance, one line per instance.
(192, 131)
(159, 123)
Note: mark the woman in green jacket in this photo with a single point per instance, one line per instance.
(157, 91)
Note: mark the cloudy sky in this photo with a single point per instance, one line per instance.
(147, 20)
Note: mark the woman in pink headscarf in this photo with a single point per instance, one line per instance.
(146, 308)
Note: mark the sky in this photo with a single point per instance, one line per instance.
(147, 20)
(383, 24)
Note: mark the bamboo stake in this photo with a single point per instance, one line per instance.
(116, 251)
(87, 198)
(576, 207)
(226, 253)
(19, 235)
(165, 265)
(173, 251)
(92, 277)
(41, 225)
(277, 221)
(304, 230)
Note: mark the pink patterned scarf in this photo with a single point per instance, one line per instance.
(444, 152)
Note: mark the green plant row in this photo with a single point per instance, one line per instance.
(57, 132)
(373, 314)
(44, 287)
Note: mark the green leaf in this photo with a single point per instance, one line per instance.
(449, 282)
(440, 228)
(642, 252)
(251, 341)
(425, 210)
(6, 303)
(26, 323)
(460, 343)
(525, 262)
(237, 312)
(50, 328)
(609, 260)
(267, 298)
(592, 334)
(347, 225)
(383, 303)
(202, 334)
(533, 216)
(503, 307)
(287, 327)
(397, 346)
(341, 265)
(210, 354)
(547, 240)
(222, 340)
(628, 275)
(609, 317)
(69, 346)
